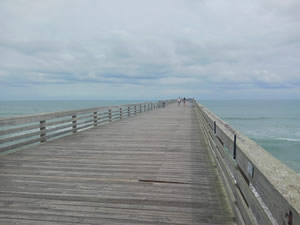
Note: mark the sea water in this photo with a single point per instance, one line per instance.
(21, 108)
(273, 124)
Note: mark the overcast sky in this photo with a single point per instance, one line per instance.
(93, 49)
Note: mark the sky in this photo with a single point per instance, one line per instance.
(158, 49)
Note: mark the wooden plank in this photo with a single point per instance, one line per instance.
(21, 144)
(53, 115)
(254, 204)
(61, 121)
(227, 182)
(152, 168)
(248, 217)
(84, 122)
(276, 185)
(277, 204)
(79, 117)
(223, 131)
(18, 137)
(49, 130)
(226, 140)
(54, 135)
(85, 116)
(230, 190)
(19, 129)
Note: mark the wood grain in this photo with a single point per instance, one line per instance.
(153, 168)
(266, 190)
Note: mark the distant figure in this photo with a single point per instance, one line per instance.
(178, 101)
(184, 101)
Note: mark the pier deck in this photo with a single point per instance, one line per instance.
(153, 168)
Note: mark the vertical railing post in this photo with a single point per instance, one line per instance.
(128, 111)
(140, 108)
(74, 123)
(120, 113)
(43, 131)
(215, 135)
(144, 107)
(95, 119)
(135, 109)
(234, 147)
(109, 115)
(215, 127)
(151, 106)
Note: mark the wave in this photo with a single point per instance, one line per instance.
(247, 118)
(288, 139)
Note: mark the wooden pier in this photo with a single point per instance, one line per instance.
(145, 167)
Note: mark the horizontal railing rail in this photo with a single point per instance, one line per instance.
(19, 132)
(261, 189)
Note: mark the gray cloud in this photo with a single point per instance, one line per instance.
(178, 46)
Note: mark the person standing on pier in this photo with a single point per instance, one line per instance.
(184, 101)
(178, 101)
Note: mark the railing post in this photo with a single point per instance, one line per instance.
(109, 115)
(144, 108)
(128, 111)
(95, 119)
(120, 113)
(215, 127)
(234, 147)
(43, 131)
(140, 108)
(135, 109)
(151, 107)
(74, 123)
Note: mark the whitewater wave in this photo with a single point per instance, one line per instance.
(289, 139)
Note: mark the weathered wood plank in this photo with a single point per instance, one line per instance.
(54, 115)
(152, 168)
(266, 185)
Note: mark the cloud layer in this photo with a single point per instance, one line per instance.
(149, 49)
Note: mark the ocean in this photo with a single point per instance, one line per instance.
(21, 108)
(275, 125)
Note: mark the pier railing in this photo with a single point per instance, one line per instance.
(261, 189)
(19, 132)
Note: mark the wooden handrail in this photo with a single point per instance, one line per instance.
(261, 189)
(18, 132)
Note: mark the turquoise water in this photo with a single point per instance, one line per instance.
(275, 125)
